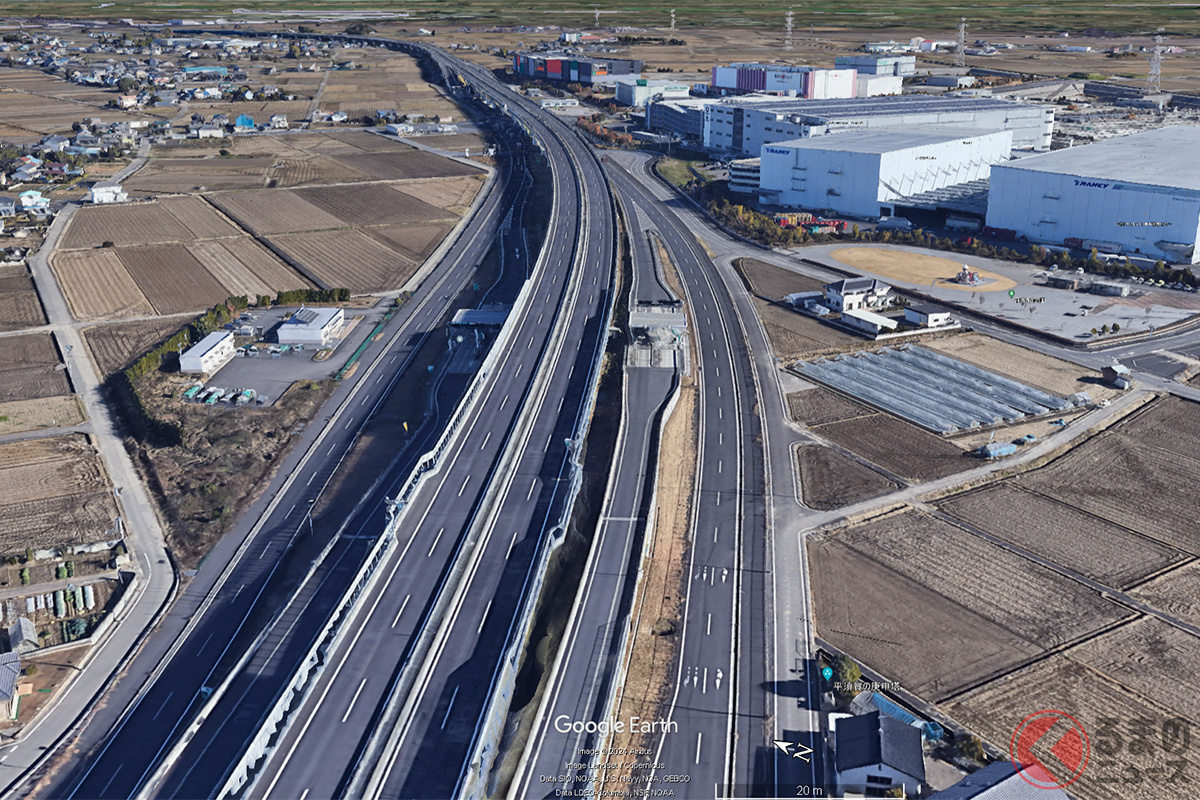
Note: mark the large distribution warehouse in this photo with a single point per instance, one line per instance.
(573, 69)
(1138, 193)
(862, 173)
(808, 82)
(744, 125)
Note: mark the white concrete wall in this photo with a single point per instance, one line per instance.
(876, 85)
(855, 780)
(1050, 207)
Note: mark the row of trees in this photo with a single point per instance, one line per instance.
(606, 135)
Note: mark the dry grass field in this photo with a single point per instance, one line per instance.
(774, 282)
(19, 304)
(98, 286)
(416, 242)
(1091, 546)
(371, 204)
(1053, 375)
(829, 479)
(996, 710)
(44, 412)
(347, 258)
(819, 406)
(29, 369)
(898, 447)
(141, 223)
(171, 278)
(406, 165)
(1024, 597)
(56, 492)
(117, 345)
(181, 175)
(1176, 592)
(456, 142)
(883, 619)
(916, 268)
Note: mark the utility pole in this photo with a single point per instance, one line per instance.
(1154, 79)
(672, 20)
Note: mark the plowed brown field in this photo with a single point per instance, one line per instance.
(97, 285)
(347, 258)
(371, 204)
(275, 212)
(171, 278)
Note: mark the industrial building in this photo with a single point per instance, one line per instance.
(573, 69)
(745, 124)
(1137, 194)
(209, 354)
(744, 175)
(901, 66)
(877, 85)
(681, 118)
(807, 82)
(862, 173)
(636, 92)
(312, 326)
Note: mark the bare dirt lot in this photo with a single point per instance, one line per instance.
(996, 710)
(882, 618)
(56, 492)
(448, 193)
(29, 368)
(1020, 595)
(44, 412)
(114, 347)
(898, 447)
(794, 336)
(171, 278)
(774, 282)
(829, 479)
(819, 406)
(1091, 546)
(98, 286)
(19, 304)
(1053, 375)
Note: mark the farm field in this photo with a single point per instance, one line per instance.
(348, 258)
(898, 447)
(774, 282)
(406, 165)
(1015, 593)
(44, 412)
(1045, 372)
(1176, 593)
(995, 710)
(417, 242)
(448, 193)
(188, 175)
(56, 492)
(115, 346)
(266, 212)
(1129, 483)
(818, 406)
(882, 618)
(29, 369)
(1091, 546)
(19, 304)
(794, 336)
(829, 479)
(171, 278)
(98, 286)
(170, 219)
(371, 204)
(455, 141)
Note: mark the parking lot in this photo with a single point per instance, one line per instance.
(269, 375)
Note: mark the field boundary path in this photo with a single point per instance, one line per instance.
(158, 581)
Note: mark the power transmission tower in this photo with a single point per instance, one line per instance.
(672, 20)
(597, 16)
(1154, 79)
(960, 49)
(787, 39)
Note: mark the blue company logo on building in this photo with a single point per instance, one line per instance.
(1092, 184)
(777, 151)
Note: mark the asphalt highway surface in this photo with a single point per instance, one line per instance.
(234, 609)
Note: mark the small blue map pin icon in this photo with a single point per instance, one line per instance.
(827, 673)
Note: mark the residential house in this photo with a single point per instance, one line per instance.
(852, 294)
(209, 131)
(108, 194)
(278, 122)
(338, 116)
(8, 206)
(32, 200)
(244, 122)
(22, 636)
(1000, 780)
(55, 143)
(875, 753)
(126, 101)
(10, 673)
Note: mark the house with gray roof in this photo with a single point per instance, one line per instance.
(1001, 781)
(875, 753)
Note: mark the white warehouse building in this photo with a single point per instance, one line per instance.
(1138, 194)
(312, 326)
(209, 354)
(636, 91)
(862, 173)
(743, 125)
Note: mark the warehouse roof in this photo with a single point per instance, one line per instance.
(853, 107)
(201, 348)
(1149, 157)
(313, 318)
(888, 139)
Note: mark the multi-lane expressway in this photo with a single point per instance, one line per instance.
(129, 752)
